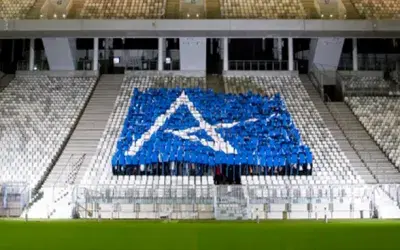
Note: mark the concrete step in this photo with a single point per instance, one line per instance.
(89, 130)
(337, 132)
(371, 155)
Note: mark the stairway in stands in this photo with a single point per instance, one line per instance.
(89, 130)
(372, 156)
(337, 133)
(57, 196)
(351, 10)
(216, 83)
(172, 9)
(34, 12)
(213, 9)
(76, 8)
(309, 6)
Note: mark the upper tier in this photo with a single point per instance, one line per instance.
(211, 9)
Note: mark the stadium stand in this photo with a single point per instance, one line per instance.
(381, 118)
(88, 131)
(10, 9)
(272, 9)
(333, 181)
(38, 113)
(103, 9)
(368, 158)
(330, 164)
(378, 9)
(99, 173)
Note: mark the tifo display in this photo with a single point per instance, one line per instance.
(193, 131)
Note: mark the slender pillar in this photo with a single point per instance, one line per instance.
(95, 54)
(280, 49)
(31, 54)
(226, 50)
(277, 50)
(355, 55)
(290, 54)
(12, 49)
(161, 44)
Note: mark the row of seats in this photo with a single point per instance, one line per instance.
(144, 180)
(322, 179)
(100, 172)
(37, 115)
(330, 165)
(12, 9)
(271, 9)
(381, 118)
(131, 9)
(378, 9)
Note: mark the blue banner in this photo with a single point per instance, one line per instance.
(203, 127)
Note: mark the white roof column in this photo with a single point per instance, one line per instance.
(226, 51)
(161, 45)
(355, 55)
(96, 54)
(290, 54)
(31, 54)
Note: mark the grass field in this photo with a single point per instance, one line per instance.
(143, 235)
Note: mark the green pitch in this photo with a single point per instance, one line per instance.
(198, 235)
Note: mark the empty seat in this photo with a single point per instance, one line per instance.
(114, 9)
(378, 9)
(380, 116)
(37, 115)
(272, 9)
(11, 9)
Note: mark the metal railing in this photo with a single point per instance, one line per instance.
(367, 63)
(257, 194)
(84, 64)
(61, 178)
(38, 65)
(354, 87)
(195, 202)
(259, 65)
(173, 65)
(14, 197)
(142, 64)
(318, 78)
(67, 176)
